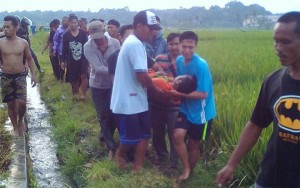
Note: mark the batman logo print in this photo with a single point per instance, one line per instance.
(287, 111)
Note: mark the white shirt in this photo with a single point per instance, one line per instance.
(128, 95)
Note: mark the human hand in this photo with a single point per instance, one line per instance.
(224, 176)
(175, 93)
(62, 65)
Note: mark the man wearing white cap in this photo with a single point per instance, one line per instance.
(129, 94)
(97, 50)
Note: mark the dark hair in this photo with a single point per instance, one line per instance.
(124, 28)
(172, 36)
(157, 18)
(113, 22)
(189, 35)
(13, 20)
(56, 21)
(72, 18)
(293, 16)
(188, 84)
(83, 20)
(25, 21)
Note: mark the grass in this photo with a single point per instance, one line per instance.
(5, 144)
(239, 61)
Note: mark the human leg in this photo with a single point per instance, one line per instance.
(101, 99)
(171, 120)
(182, 152)
(158, 133)
(61, 70)
(120, 156)
(84, 78)
(55, 66)
(193, 151)
(21, 106)
(12, 110)
(84, 84)
(139, 156)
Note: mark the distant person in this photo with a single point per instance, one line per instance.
(58, 42)
(23, 32)
(112, 28)
(129, 95)
(278, 102)
(97, 50)
(54, 24)
(197, 109)
(83, 25)
(73, 55)
(13, 73)
(164, 113)
(158, 44)
(33, 29)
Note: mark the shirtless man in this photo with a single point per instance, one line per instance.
(13, 72)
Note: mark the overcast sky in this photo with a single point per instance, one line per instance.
(275, 6)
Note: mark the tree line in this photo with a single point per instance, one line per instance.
(231, 16)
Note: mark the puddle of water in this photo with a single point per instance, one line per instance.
(42, 147)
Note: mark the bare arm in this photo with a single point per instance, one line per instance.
(248, 139)
(47, 44)
(145, 80)
(192, 95)
(30, 64)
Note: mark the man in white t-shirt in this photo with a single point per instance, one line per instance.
(129, 94)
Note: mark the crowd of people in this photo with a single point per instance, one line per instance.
(144, 85)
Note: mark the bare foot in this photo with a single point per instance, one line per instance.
(185, 174)
(136, 169)
(121, 163)
(110, 154)
(21, 127)
(82, 98)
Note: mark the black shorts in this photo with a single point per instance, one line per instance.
(76, 69)
(194, 131)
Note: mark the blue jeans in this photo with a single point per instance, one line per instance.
(163, 120)
(101, 100)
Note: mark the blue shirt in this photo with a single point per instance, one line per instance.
(197, 111)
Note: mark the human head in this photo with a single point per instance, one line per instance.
(83, 23)
(73, 22)
(188, 43)
(173, 43)
(96, 29)
(25, 22)
(123, 32)
(287, 38)
(51, 25)
(145, 25)
(65, 21)
(56, 23)
(185, 84)
(112, 27)
(10, 26)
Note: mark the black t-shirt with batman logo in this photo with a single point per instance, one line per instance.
(279, 102)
